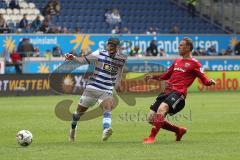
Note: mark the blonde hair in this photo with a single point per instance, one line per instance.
(189, 42)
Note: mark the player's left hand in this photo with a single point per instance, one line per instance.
(212, 82)
(148, 77)
(69, 57)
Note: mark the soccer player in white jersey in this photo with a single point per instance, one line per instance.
(107, 74)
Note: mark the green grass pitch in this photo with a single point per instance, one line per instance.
(212, 120)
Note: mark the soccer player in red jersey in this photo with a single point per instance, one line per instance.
(179, 77)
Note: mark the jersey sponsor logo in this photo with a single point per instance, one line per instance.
(186, 65)
(179, 69)
(110, 68)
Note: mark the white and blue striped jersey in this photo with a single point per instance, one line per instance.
(107, 70)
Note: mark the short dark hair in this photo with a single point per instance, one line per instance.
(189, 42)
(114, 41)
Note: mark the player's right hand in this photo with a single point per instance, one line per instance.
(69, 57)
(147, 77)
(212, 82)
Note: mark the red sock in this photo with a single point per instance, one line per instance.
(154, 132)
(170, 127)
(157, 124)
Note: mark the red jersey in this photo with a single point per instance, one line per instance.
(181, 75)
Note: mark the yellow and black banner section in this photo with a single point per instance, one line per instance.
(41, 84)
(30, 84)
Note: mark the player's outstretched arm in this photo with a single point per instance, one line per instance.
(200, 74)
(164, 76)
(70, 57)
(82, 60)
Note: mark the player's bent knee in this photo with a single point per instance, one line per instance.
(150, 116)
(108, 104)
(163, 108)
(150, 120)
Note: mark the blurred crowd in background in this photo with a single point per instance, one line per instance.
(52, 11)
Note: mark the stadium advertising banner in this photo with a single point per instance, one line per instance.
(92, 42)
(135, 65)
(24, 85)
(225, 81)
(2, 66)
(208, 63)
(41, 84)
(34, 65)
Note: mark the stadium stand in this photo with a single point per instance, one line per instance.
(137, 15)
(13, 16)
(224, 13)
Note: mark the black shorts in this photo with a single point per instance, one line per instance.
(175, 101)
